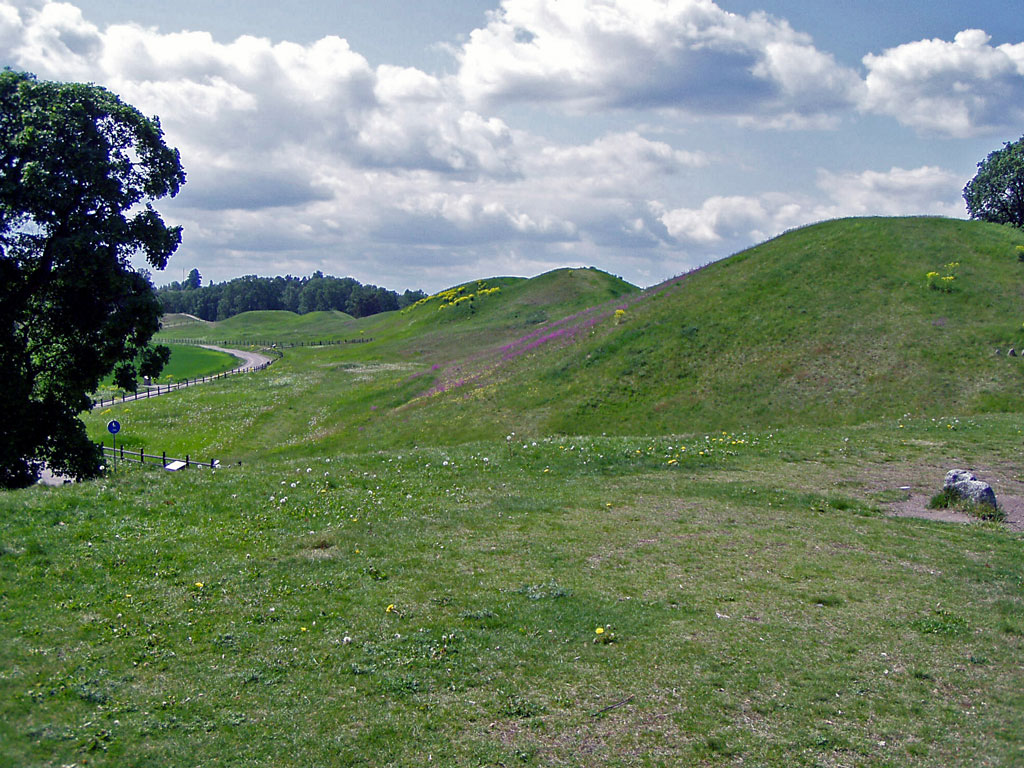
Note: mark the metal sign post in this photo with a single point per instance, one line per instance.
(113, 427)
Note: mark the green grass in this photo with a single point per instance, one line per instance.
(190, 362)
(763, 608)
(268, 325)
(411, 543)
(832, 325)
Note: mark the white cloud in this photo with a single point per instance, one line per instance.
(303, 157)
(897, 192)
(718, 219)
(962, 88)
(685, 55)
(730, 222)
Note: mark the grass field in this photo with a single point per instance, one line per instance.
(271, 325)
(412, 543)
(190, 362)
(441, 606)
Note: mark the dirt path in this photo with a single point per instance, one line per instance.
(917, 506)
(250, 361)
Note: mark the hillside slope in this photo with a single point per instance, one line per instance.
(830, 325)
(834, 323)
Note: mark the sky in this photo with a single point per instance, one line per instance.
(423, 143)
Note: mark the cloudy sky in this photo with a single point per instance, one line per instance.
(423, 143)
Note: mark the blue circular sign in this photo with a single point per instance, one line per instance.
(113, 427)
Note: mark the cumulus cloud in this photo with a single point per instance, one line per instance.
(897, 192)
(961, 88)
(304, 157)
(214, 96)
(685, 55)
(732, 221)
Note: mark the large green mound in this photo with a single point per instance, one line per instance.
(834, 323)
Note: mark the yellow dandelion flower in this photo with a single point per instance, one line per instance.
(390, 608)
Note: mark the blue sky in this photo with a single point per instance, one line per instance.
(422, 143)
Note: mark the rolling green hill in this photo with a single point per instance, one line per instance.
(270, 325)
(833, 324)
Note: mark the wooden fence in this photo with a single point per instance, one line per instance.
(141, 456)
(162, 389)
(268, 344)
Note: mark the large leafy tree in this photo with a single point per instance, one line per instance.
(79, 170)
(996, 193)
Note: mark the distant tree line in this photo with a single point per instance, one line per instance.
(316, 293)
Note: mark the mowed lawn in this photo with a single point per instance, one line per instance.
(441, 606)
(191, 362)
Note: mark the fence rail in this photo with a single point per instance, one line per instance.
(140, 456)
(270, 344)
(162, 389)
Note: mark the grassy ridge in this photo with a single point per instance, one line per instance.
(829, 325)
(271, 325)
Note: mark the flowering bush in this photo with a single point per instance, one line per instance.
(940, 282)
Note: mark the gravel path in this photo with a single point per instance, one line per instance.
(250, 360)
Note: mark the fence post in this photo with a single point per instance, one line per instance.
(164, 458)
(142, 455)
(186, 460)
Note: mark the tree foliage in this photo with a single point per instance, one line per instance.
(996, 193)
(317, 293)
(79, 170)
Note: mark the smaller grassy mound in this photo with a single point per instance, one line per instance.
(478, 317)
(272, 326)
(181, 320)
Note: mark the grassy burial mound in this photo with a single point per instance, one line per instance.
(264, 325)
(835, 324)
(832, 324)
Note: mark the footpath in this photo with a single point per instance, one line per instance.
(250, 361)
